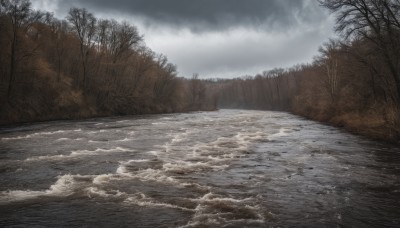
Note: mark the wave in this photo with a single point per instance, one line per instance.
(94, 191)
(148, 174)
(142, 200)
(215, 210)
(158, 123)
(77, 153)
(64, 186)
(62, 139)
(103, 178)
(211, 197)
(282, 132)
(123, 140)
(189, 167)
(96, 131)
(38, 134)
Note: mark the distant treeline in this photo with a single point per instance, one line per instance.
(83, 67)
(354, 82)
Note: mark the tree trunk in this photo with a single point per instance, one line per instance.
(12, 64)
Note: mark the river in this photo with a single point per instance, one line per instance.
(230, 168)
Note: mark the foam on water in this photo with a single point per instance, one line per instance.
(77, 153)
(122, 170)
(67, 185)
(103, 178)
(188, 167)
(124, 140)
(161, 174)
(63, 139)
(136, 160)
(38, 134)
(282, 132)
(48, 157)
(142, 200)
(97, 131)
(94, 191)
(214, 210)
(116, 149)
(64, 186)
(200, 157)
(153, 152)
(19, 195)
(18, 137)
(158, 123)
(154, 175)
(212, 197)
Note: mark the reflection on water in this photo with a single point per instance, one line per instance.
(229, 168)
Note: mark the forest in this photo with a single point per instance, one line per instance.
(83, 66)
(353, 83)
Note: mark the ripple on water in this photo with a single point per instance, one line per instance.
(226, 168)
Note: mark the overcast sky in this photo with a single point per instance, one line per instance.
(218, 38)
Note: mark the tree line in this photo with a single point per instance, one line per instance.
(354, 81)
(84, 66)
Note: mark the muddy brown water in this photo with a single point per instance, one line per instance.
(231, 168)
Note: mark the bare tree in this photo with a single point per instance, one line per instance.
(329, 60)
(123, 38)
(197, 91)
(84, 25)
(59, 34)
(376, 21)
(21, 17)
(103, 34)
(275, 79)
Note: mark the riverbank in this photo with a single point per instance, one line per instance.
(369, 125)
(15, 118)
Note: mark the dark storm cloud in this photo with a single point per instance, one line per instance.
(221, 38)
(203, 15)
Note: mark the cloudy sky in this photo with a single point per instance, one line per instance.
(218, 38)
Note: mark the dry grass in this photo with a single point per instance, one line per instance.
(370, 124)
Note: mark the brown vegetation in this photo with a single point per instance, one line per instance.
(353, 83)
(83, 67)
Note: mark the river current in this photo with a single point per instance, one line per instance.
(230, 168)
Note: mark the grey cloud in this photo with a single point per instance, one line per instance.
(238, 54)
(222, 38)
(204, 15)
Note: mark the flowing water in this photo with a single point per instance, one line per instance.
(229, 168)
